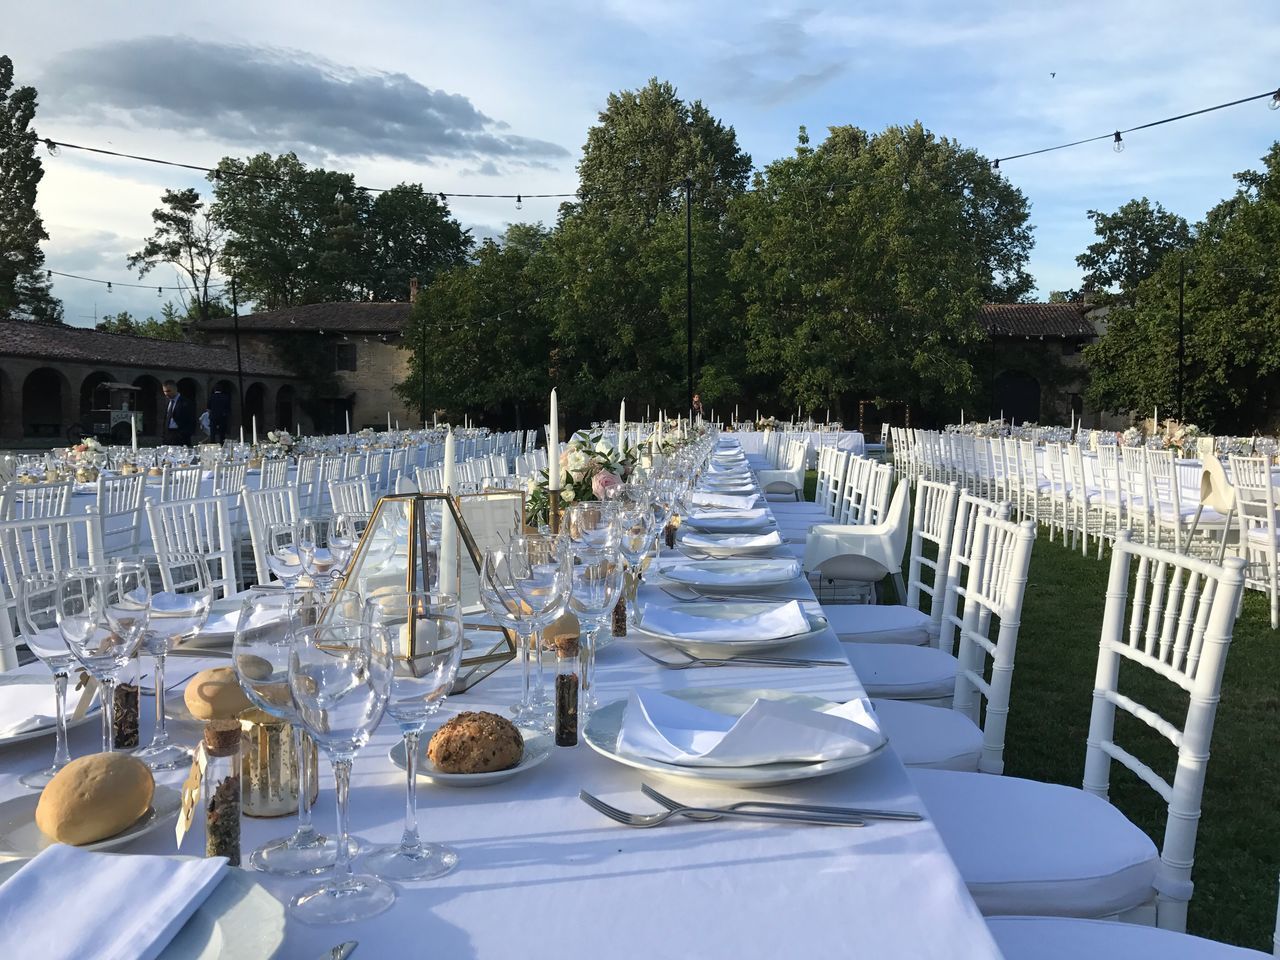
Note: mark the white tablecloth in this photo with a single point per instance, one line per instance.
(849, 440)
(543, 875)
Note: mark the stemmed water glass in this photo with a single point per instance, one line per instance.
(264, 638)
(283, 557)
(592, 522)
(102, 612)
(176, 615)
(422, 675)
(340, 679)
(38, 618)
(597, 581)
(321, 549)
(635, 537)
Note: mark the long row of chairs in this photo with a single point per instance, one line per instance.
(939, 666)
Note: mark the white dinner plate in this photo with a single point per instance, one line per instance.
(605, 725)
(732, 575)
(538, 745)
(220, 628)
(717, 610)
(729, 524)
(717, 545)
(21, 839)
(73, 698)
(238, 919)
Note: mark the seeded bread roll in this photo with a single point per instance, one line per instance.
(215, 694)
(94, 797)
(476, 743)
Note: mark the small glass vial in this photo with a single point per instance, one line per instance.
(221, 790)
(620, 618)
(126, 704)
(566, 691)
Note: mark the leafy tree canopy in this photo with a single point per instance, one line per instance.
(1131, 243)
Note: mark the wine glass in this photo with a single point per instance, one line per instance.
(592, 522)
(499, 596)
(38, 619)
(319, 560)
(635, 537)
(176, 615)
(344, 535)
(597, 581)
(264, 638)
(102, 612)
(283, 557)
(340, 680)
(425, 634)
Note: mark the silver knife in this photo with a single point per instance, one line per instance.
(341, 951)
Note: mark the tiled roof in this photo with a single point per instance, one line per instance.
(1036, 320)
(81, 345)
(349, 317)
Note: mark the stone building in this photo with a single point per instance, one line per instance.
(355, 346)
(50, 374)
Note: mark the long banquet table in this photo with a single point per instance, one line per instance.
(543, 875)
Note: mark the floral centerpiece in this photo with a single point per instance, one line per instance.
(86, 449)
(1185, 440)
(1133, 437)
(590, 469)
(281, 438)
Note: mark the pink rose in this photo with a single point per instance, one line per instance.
(604, 484)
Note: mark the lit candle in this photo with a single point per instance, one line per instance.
(553, 445)
(133, 431)
(622, 425)
(255, 430)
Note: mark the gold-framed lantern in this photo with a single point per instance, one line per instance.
(435, 542)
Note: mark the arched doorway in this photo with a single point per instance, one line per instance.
(150, 402)
(190, 389)
(90, 396)
(1018, 395)
(285, 409)
(255, 401)
(42, 401)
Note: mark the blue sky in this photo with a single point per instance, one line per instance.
(497, 97)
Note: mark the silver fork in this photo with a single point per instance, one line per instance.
(673, 805)
(657, 819)
(742, 662)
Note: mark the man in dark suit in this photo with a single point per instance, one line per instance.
(219, 414)
(179, 416)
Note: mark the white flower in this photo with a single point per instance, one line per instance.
(577, 460)
(567, 495)
(531, 486)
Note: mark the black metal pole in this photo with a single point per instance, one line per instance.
(688, 280)
(235, 319)
(1182, 338)
(422, 370)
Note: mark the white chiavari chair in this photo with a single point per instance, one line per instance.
(119, 511)
(1058, 502)
(864, 553)
(788, 479)
(970, 736)
(396, 466)
(913, 621)
(1259, 535)
(198, 526)
(875, 504)
(275, 473)
(8, 468)
(1136, 487)
(1034, 486)
(262, 508)
(378, 472)
(430, 479)
(180, 483)
(350, 496)
(32, 501)
(1110, 494)
(1084, 499)
(230, 477)
(1025, 847)
(39, 545)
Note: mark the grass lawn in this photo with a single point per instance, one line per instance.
(1238, 849)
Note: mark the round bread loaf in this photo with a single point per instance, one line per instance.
(476, 742)
(155, 472)
(94, 797)
(215, 694)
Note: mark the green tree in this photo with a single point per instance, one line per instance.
(1231, 328)
(25, 292)
(170, 326)
(864, 262)
(408, 233)
(187, 239)
(1131, 243)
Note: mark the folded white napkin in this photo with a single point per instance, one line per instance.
(127, 907)
(784, 620)
(726, 501)
(728, 485)
(227, 621)
(730, 573)
(731, 541)
(26, 706)
(660, 727)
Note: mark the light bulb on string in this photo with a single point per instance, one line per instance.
(831, 193)
(519, 203)
(108, 286)
(1274, 103)
(52, 148)
(995, 164)
(1117, 143)
(159, 292)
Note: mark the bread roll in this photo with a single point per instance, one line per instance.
(476, 742)
(215, 694)
(94, 797)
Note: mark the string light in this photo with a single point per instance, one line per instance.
(1275, 101)
(1118, 145)
(50, 274)
(519, 205)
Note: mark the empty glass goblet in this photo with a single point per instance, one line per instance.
(38, 620)
(597, 581)
(283, 557)
(425, 633)
(340, 680)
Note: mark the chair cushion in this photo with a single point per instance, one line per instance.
(927, 736)
(900, 672)
(1062, 938)
(872, 623)
(798, 508)
(1029, 848)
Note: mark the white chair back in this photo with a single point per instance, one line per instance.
(932, 523)
(119, 512)
(229, 477)
(275, 473)
(180, 483)
(201, 526)
(1256, 501)
(33, 501)
(350, 496)
(262, 508)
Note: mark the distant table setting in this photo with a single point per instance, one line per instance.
(679, 761)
